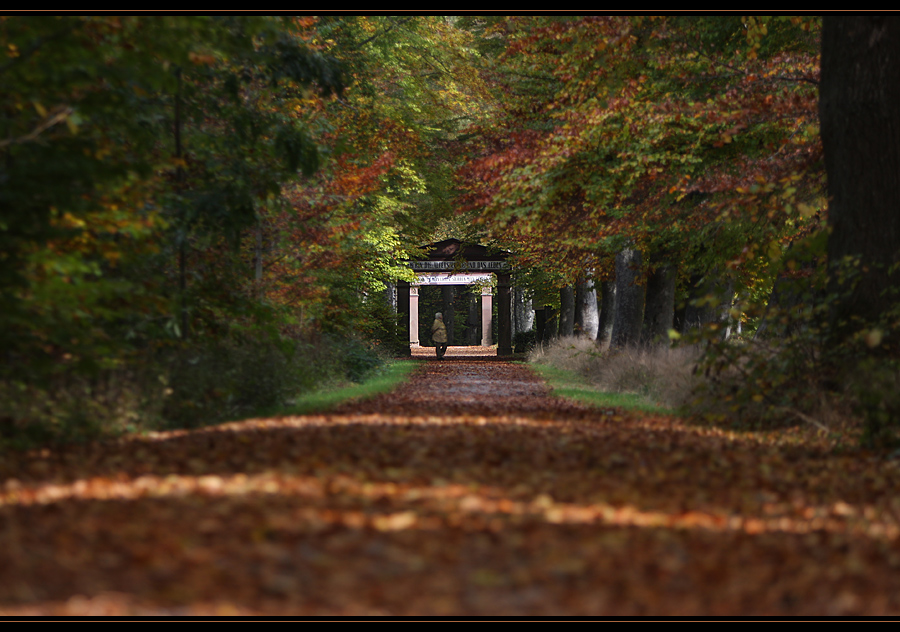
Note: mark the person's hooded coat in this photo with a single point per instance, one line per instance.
(439, 331)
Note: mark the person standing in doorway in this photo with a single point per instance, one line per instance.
(439, 335)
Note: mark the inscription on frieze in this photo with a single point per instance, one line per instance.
(425, 266)
(451, 278)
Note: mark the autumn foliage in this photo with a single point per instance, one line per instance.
(469, 492)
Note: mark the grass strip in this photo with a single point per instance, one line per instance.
(573, 386)
(395, 372)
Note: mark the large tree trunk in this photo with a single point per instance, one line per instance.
(660, 307)
(607, 313)
(629, 299)
(551, 324)
(587, 316)
(567, 311)
(540, 325)
(524, 313)
(860, 122)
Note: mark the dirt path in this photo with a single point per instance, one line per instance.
(467, 492)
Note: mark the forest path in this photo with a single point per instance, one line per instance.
(468, 491)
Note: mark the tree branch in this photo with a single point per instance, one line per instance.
(383, 32)
(62, 114)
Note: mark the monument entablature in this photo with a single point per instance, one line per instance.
(451, 262)
(466, 266)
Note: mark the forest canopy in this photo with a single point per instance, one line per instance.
(182, 193)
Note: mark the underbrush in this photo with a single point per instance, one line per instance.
(184, 386)
(797, 378)
(659, 376)
(840, 376)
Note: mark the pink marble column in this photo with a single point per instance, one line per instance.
(487, 298)
(413, 315)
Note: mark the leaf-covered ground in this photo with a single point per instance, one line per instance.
(467, 492)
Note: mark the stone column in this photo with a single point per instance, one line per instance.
(487, 302)
(504, 329)
(413, 315)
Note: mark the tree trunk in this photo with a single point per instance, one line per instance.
(660, 307)
(403, 312)
(540, 325)
(523, 311)
(183, 232)
(629, 299)
(504, 313)
(587, 317)
(513, 317)
(567, 311)
(607, 313)
(390, 296)
(551, 324)
(258, 259)
(860, 121)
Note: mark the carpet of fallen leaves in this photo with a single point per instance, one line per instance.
(468, 491)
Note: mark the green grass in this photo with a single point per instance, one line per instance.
(383, 381)
(570, 385)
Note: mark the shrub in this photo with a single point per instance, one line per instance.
(807, 369)
(358, 359)
(72, 408)
(659, 374)
(183, 386)
(524, 341)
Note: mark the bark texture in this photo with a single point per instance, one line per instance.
(860, 122)
(607, 313)
(504, 314)
(551, 324)
(629, 299)
(524, 314)
(540, 324)
(403, 312)
(660, 306)
(587, 316)
(390, 295)
(567, 311)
